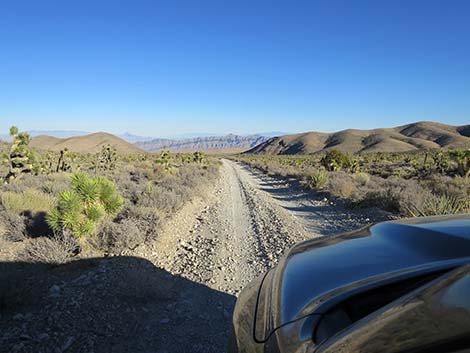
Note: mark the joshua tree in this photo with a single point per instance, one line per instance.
(198, 157)
(462, 157)
(165, 159)
(84, 205)
(21, 158)
(62, 165)
(441, 162)
(106, 159)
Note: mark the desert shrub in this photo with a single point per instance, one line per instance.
(13, 226)
(439, 205)
(56, 250)
(30, 200)
(81, 208)
(362, 178)
(168, 197)
(147, 220)
(445, 185)
(116, 237)
(56, 183)
(393, 194)
(317, 179)
(341, 185)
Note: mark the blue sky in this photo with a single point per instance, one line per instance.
(170, 67)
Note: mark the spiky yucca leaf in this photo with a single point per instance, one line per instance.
(113, 204)
(53, 219)
(440, 205)
(88, 188)
(70, 219)
(84, 227)
(69, 201)
(95, 212)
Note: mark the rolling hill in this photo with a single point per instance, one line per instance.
(415, 136)
(227, 143)
(91, 143)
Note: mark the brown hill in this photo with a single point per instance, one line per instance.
(91, 143)
(415, 136)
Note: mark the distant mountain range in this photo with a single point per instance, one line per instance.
(410, 137)
(132, 138)
(232, 143)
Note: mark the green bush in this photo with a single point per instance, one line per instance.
(81, 208)
(334, 160)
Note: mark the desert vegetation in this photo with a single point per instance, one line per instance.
(407, 184)
(57, 205)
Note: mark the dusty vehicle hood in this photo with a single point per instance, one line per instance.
(317, 270)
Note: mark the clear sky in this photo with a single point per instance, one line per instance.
(169, 67)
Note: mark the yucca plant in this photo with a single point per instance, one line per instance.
(317, 179)
(84, 205)
(440, 205)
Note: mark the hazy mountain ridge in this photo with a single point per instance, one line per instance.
(210, 143)
(414, 136)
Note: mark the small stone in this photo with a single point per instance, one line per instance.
(164, 321)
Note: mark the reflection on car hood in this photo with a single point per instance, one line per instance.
(316, 269)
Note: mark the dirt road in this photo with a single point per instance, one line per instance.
(177, 294)
(244, 226)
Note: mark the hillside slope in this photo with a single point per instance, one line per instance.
(91, 143)
(210, 143)
(415, 136)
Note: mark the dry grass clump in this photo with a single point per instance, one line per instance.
(341, 185)
(29, 200)
(362, 178)
(56, 250)
(13, 226)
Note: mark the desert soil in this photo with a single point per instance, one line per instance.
(178, 294)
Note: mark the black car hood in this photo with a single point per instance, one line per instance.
(314, 271)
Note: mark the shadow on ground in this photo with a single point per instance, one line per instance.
(119, 304)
